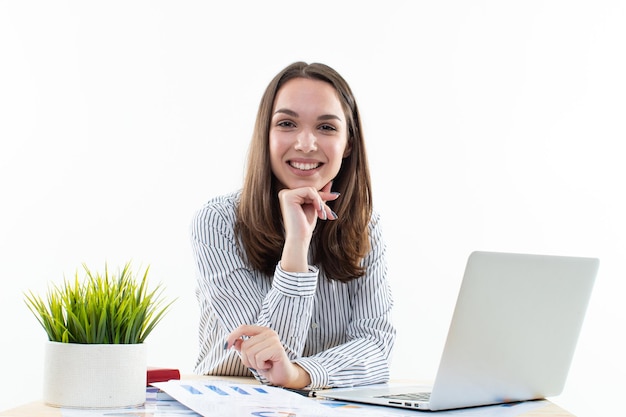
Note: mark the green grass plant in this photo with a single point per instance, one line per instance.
(100, 309)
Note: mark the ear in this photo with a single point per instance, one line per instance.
(348, 149)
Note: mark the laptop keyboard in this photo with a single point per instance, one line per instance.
(410, 396)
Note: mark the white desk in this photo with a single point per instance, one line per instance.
(39, 409)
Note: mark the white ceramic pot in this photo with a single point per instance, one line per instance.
(94, 376)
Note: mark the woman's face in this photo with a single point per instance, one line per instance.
(308, 134)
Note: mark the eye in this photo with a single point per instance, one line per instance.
(327, 128)
(286, 124)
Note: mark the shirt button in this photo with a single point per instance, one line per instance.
(314, 325)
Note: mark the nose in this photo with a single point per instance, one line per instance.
(306, 141)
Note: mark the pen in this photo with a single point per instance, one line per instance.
(304, 392)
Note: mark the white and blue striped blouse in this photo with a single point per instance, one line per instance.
(340, 333)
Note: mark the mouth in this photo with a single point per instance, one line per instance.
(304, 166)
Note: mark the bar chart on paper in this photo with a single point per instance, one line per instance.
(223, 398)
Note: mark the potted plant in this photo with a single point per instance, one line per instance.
(95, 356)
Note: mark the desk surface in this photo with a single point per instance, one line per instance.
(39, 409)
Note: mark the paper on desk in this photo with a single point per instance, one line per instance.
(217, 398)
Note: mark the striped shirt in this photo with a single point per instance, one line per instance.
(340, 333)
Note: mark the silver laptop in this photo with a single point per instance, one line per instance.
(512, 335)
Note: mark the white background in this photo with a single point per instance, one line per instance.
(491, 125)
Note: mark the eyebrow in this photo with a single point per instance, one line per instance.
(321, 117)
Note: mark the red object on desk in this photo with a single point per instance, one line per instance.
(156, 374)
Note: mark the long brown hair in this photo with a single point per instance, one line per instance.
(339, 245)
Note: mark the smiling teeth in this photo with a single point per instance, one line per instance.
(304, 167)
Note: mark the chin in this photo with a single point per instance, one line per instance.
(304, 183)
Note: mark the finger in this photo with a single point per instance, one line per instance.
(237, 344)
(241, 331)
(322, 212)
(246, 350)
(331, 196)
(306, 196)
(327, 195)
(328, 214)
(259, 360)
(261, 352)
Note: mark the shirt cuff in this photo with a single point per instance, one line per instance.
(319, 376)
(296, 284)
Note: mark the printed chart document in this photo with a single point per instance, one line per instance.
(217, 398)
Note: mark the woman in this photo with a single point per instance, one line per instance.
(292, 277)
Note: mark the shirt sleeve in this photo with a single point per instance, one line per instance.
(364, 358)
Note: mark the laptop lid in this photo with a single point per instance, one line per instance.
(514, 328)
(513, 332)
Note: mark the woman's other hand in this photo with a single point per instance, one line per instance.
(260, 348)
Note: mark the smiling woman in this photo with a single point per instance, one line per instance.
(292, 275)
